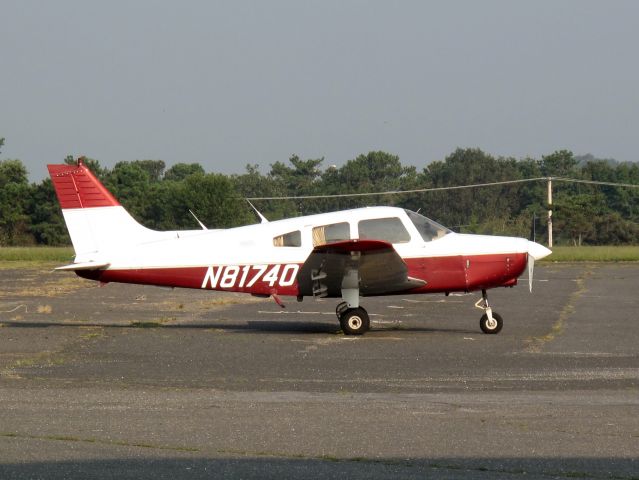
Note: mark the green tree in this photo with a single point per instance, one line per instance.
(300, 179)
(45, 217)
(180, 171)
(253, 184)
(213, 198)
(470, 207)
(561, 163)
(160, 198)
(14, 194)
(574, 215)
(130, 184)
(376, 171)
(153, 168)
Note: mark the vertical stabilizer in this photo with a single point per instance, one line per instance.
(96, 221)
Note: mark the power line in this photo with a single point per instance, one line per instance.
(594, 182)
(396, 192)
(436, 189)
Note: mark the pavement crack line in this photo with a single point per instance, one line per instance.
(535, 344)
(100, 441)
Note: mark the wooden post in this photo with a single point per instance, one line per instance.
(549, 212)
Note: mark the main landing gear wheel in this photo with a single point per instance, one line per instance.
(354, 321)
(491, 326)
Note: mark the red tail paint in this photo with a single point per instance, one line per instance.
(77, 187)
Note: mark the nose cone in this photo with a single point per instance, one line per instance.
(537, 251)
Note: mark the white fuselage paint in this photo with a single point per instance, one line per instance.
(110, 234)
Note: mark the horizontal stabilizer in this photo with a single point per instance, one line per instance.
(84, 266)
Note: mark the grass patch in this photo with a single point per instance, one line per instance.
(594, 254)
(36, 254)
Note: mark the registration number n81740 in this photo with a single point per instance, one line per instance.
(246, 276)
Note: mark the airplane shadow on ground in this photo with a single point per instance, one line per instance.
(254, 467)
(256, 326)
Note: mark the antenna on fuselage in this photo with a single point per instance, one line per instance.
(198, 220)
(262, 217)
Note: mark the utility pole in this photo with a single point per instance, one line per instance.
(549, 212)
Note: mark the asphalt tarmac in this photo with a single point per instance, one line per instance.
(140, 382)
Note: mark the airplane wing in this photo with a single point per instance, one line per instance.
(379, 268)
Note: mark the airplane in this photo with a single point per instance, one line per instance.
(347, 255)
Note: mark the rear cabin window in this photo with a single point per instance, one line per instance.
(335, 232)
(390, 230)
(291, 239)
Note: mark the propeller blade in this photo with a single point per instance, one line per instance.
(531, 269)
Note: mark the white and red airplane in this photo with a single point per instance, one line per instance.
(347, 254)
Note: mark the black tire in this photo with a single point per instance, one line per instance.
(354, 321)
(483, 324)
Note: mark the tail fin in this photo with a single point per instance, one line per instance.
(96, 221)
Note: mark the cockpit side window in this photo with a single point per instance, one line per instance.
(390, 230)
(427, 228)
(291, 239)
(334, 232)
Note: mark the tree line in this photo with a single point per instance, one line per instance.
(161, 197)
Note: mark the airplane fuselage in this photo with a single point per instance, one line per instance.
(246, 259)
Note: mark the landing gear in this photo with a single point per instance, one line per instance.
(490, 322)
(354, 321)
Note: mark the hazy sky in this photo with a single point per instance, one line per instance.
(230, 83)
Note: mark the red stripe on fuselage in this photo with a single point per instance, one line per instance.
(442, 274)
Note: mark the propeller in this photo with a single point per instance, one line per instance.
(531, 269)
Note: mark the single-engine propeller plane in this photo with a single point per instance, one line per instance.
(345, 255)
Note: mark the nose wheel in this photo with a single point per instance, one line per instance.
(490, 322)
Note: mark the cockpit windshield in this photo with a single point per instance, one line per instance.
(428, 229)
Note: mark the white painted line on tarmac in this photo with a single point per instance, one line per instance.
(299, 312)
(410, 300)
